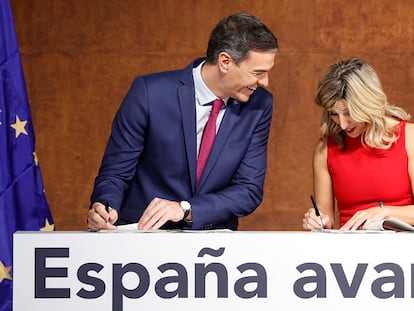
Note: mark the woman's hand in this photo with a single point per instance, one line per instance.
(362, 218)
(313, 222)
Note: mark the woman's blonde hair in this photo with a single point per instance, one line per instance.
(357, 83)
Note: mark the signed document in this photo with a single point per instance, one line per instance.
(390, 225)
(134, 228)
(393, 224)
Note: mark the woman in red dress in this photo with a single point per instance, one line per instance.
(364, 161)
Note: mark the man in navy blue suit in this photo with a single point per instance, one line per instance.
(148, 172)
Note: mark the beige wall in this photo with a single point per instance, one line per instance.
(80, 57)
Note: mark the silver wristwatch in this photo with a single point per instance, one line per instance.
(186, 206)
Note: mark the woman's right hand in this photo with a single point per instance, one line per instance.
(313, 222)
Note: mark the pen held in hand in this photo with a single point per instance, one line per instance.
(107, 209)
(315, 206)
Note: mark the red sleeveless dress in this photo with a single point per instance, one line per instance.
(363, 176)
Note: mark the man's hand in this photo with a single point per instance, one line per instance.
(158, 212)
(99, 218)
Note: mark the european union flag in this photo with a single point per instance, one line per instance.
(23, 204)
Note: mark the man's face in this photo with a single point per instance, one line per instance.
(244, 78)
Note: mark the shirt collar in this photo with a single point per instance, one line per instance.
(203, 94)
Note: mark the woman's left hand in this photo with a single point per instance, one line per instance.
(362, 218)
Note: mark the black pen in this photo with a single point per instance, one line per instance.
(317, 211)
(107, 208)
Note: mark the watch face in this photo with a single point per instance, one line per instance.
(185, 205)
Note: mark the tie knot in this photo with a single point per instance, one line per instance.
(217, 104)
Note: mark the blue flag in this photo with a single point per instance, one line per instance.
(23, 204)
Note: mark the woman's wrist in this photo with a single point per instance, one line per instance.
(384, 210)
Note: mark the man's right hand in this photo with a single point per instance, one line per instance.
(99, 218)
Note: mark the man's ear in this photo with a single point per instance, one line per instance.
(224, 61)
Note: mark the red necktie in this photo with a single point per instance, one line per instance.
(209, 135)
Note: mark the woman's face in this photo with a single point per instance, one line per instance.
(339, 113)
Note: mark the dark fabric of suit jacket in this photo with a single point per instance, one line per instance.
(152, 152)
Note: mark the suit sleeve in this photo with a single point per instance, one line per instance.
(124, 147)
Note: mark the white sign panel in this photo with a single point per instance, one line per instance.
(212, 271)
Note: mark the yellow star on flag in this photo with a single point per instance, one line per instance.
(48, 226)
(19, 126)
(36, 160)
(4, 272)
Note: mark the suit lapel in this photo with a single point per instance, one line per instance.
(188, 114)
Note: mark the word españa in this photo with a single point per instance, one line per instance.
(255, 280)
